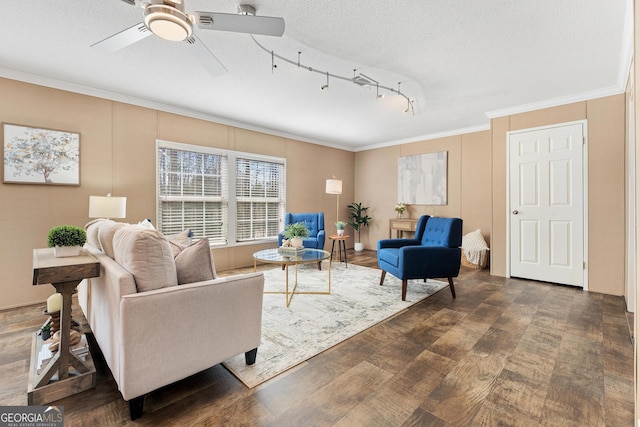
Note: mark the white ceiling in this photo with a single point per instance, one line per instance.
(459, 61)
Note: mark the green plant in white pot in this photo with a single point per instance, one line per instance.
(340, 227)
(295, 232)
(66, 240)
(358, 220)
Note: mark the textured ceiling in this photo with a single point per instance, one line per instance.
(457, 60)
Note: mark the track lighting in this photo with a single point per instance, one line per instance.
(359, 79)
(325, 86)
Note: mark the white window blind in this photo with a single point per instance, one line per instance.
(192, 193)
(260, 198)
(228, 197)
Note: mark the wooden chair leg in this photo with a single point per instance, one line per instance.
(384, 273)
(404, 290)
(319, 265)
(453, 289)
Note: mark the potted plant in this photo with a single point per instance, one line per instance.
(340, 227)
(358, 220)
(295, 232)
(66, 240)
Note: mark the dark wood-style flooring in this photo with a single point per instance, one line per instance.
(504, 353)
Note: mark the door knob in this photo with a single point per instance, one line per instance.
(515, 212)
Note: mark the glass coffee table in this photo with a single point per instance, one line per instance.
(309, 256)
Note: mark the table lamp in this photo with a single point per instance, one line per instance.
(107, 206)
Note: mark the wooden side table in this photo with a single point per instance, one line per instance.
(342, 247)
(400, 225)
(64, 274)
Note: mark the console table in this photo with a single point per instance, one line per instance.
(400, 225)
(64, 274)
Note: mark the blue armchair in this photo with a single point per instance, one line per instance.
(315, 224)
(434, 252)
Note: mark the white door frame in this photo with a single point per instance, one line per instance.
(585, 193)
(631, 209)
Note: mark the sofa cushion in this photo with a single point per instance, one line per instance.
(390, 255)
(106, 231)
(179, 241)
(195, 263)
(92, 228)
(147, 255)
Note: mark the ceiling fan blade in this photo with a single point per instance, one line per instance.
(265, 25)
(206, 58)
(123, 39)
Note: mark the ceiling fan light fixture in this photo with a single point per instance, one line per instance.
(168, 22)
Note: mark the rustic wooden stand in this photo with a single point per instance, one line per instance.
(56, 380)
(400, 225)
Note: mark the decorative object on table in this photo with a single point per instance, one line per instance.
(422, 179)
(314, 222)
(45, 330)
(53, 322)
(289, 251)
(358, 220)
(107, 207)
(66, 240)
(334, 186)
(400, 208)
(340, 227)
(40, 156)
(295, 232)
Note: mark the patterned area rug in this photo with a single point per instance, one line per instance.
(313, 323)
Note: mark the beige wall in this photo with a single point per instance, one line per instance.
(118, 155)
(606, 202)
(468, 183)
(477, 173)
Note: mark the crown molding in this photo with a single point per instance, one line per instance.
(555, 102)
(427, 137)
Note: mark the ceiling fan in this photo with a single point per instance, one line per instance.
(168, 20)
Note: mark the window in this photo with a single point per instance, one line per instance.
(199, 190)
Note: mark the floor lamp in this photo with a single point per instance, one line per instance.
(334, 186)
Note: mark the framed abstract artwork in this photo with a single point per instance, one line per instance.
(422, 179)
(40, 156)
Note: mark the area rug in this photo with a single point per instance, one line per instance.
(314, 323)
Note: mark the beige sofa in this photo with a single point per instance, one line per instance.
(154, 331)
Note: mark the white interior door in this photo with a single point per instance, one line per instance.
(546, 204)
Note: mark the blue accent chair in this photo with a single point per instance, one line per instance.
(315, 224)
(434, 252)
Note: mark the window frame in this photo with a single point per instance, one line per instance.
(231, 199)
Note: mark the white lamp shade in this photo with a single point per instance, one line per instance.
(334, 186)
(107, 207)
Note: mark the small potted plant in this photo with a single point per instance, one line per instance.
(66, 240)
(295, 232)
(358, 220)
(340, 227)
